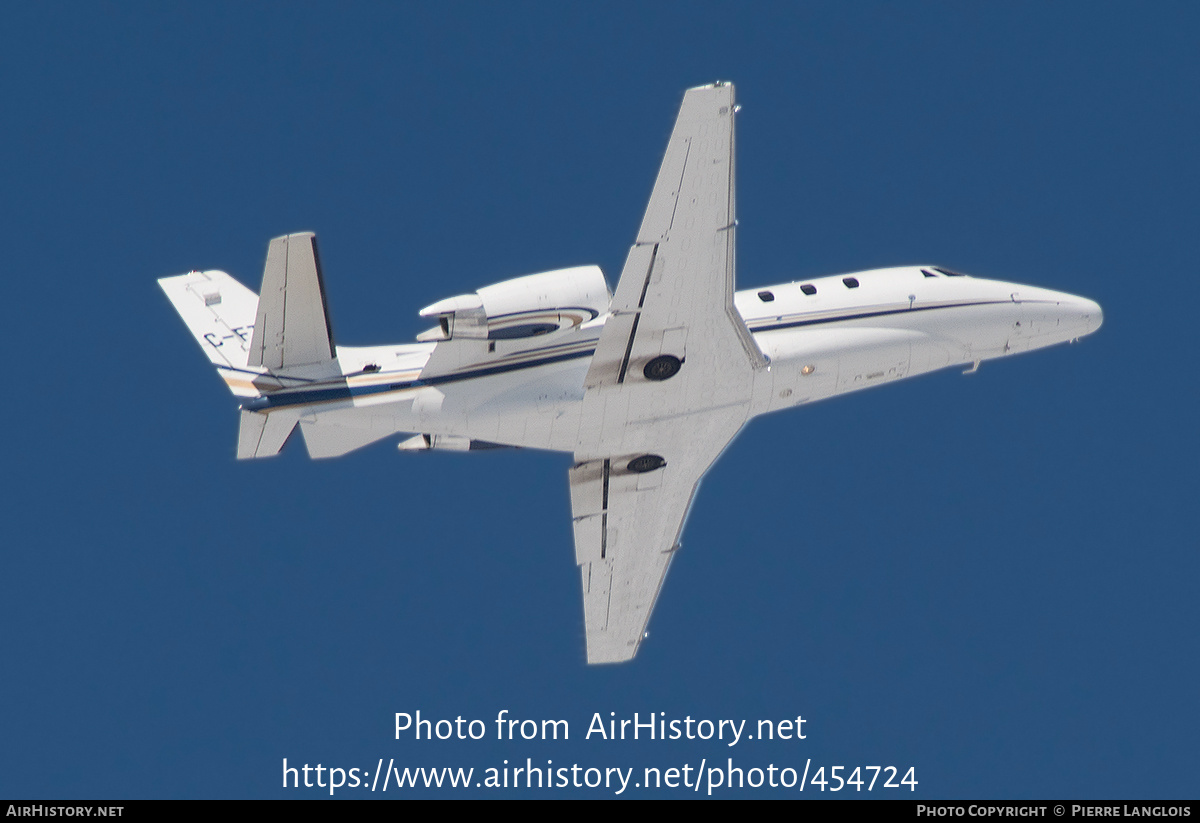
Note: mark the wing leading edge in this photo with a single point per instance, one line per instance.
(669, 385)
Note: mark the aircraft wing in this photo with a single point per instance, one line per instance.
(669, 385)
(675, 295)
(627, 526)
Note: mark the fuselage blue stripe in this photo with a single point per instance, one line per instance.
(306, 397)
(792, 324)
(311, 396)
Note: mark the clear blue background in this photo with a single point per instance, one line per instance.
(991, 578)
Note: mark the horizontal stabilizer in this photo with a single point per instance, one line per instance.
(292, 325)
(219, 312)
(330, 440)
(263, 435)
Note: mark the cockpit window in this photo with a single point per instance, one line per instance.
(766, 296)
(808, 288)
(928, 273)
(851, 282)
(949, 273)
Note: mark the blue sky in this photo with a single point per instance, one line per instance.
(990, 578)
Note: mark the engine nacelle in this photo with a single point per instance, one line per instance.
(526, 306)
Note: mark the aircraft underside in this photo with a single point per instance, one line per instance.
(645, 386)
(538, 406)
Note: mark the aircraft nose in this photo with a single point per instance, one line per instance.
(1086, 312)
(1079, 314)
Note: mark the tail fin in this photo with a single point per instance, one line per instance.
(292, 324)
(244, 334)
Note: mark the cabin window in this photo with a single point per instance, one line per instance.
(851, 282)
(808, 288)
(766, 296)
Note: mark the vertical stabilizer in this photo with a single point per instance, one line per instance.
(292, 326)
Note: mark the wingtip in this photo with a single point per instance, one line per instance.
(294, 234)
(704, 102)
(719, 84)
(164, 282)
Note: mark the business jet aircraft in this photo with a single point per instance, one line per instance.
(645, 387)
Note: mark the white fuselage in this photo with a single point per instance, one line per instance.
(852, 332)
(644, 386)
